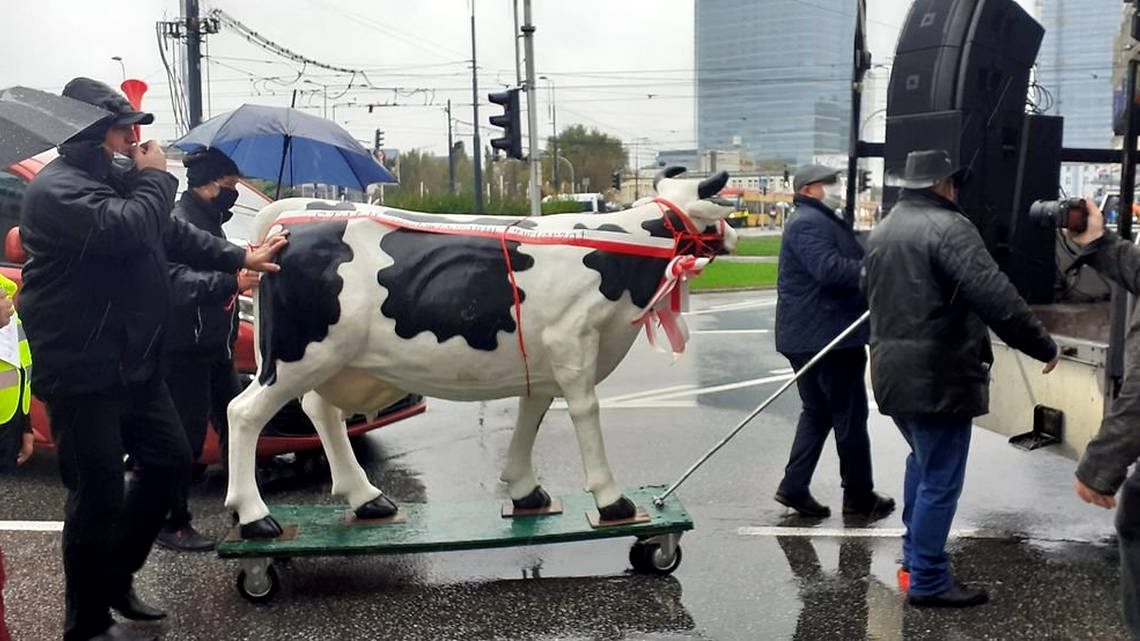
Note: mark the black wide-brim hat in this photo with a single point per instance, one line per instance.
(924, 169)
(102, 95)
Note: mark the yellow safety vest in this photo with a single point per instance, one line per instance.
(15, 382)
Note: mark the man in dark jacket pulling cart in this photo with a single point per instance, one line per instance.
(932, 289)
(203, 326)
(818, 298)
(95, 302)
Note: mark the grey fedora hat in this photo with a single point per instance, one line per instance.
(924, 169)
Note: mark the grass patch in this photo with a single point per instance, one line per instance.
(758, 246)
(726, 275)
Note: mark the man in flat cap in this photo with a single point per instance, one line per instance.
(203, 327)
(95, 302)
(819, 297)
(933, 288)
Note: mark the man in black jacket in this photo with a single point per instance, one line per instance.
(932, 289)
(95, 301)
(1103, 469)
(818, 298)
(203, 326)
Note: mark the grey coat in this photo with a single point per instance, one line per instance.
(1117, 444)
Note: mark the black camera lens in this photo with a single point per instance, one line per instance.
(1055, 214)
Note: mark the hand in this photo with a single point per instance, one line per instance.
(1095, 228)
(260, 258)
(27, 446)
(247, 280)
(7, 308)
(1089, 495)
(149, 156)
(1052, 364)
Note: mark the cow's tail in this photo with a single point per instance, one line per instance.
(262, 223)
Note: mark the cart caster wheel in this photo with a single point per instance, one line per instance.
(650, 558)
(258, 589)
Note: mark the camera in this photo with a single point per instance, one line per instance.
(1070, 213)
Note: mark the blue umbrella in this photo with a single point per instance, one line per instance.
(289, 146)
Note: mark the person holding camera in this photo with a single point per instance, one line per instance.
(932, 289)
(1103, 470)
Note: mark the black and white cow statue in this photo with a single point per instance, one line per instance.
(372, 303)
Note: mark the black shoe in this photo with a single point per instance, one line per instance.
(871, 505)
(805, 505)
(185, 539)
(122, 633)
(131, 607)
(957, 596)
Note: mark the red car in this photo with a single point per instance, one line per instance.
(290, 430)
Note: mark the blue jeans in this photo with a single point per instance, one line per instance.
(935, 472)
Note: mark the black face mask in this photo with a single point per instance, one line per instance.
(225, 199)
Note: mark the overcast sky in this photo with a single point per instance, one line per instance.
(625, 67)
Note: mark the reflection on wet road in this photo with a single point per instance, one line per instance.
(750, 571)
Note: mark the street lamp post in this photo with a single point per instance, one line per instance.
(567, 160)
(325, 93)
(119, 59)
(554, 134)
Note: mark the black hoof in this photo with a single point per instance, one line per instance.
(622, 508)
(265, 528)
(538, 498)
(380, 507)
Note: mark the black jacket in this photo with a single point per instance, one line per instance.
(200, 325)
(1117, 444)
(818, 282)
(932, 288)
(96, 290)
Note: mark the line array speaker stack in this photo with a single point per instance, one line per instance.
(959, 82)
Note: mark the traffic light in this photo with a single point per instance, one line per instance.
(379, 142)
(511, 140)
(615, 180)
(864, 179)
(785, 174)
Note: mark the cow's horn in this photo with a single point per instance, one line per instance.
(712, 185)
(668, 172)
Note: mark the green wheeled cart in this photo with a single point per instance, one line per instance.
(324, 530)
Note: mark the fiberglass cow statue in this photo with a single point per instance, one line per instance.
(372, 303)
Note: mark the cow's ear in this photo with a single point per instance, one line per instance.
(708, 210)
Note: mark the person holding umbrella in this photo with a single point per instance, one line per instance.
(95, 303)
(203, 326)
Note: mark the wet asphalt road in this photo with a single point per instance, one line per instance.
(750, 571)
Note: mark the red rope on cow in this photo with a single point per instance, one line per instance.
(518, 302)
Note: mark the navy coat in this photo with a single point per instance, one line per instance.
(818, 282)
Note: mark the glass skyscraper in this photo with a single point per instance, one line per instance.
(1075, 66)
(773, 76)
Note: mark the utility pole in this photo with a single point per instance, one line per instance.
(860, 63)
(450, 153)
(518, 62)
(477, 152)
(193, 62)
(531, 111)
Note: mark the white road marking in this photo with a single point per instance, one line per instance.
(31, 526)
(732, 307)
(662, 397)
(785, 370)
(858, 533)
(730, 331)
(725, 387)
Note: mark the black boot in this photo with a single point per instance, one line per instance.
(805, 504)
(184, 539)
(957, 596)
(871, 505)
(131, 607)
